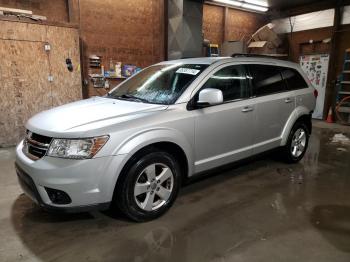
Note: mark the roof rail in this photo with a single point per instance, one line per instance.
(276, 56)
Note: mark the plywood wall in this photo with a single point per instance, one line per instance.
(213, 23)
(242, 24)
(239, 25)
(54, 10)
(24, 70)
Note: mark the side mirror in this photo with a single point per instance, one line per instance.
(209, 96)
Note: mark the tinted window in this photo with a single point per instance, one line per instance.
(231, 81)
(266, 79)
(293, 79)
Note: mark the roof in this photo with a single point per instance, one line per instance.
(212, 60)
(197, 60)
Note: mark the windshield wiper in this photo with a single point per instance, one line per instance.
(133, 98)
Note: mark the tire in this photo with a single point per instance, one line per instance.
(149, 186)
(297, 143)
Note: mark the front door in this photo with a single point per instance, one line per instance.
(224, 133)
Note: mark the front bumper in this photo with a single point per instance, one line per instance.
(30, 189)
(89, 183)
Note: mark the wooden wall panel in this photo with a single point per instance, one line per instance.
(23, 86)
(54, 10)
(24, 70)
(66, 86)
(127, 31)
(240, 25)
(22, 31)
(304, 37)
(213, 23)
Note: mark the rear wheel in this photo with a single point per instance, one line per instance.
(149, 186)
(297, 143)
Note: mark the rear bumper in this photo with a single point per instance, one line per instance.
(28, 186)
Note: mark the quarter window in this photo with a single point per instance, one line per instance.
(266, 80)
(231, 81)
(293, 79)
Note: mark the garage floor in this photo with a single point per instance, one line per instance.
(263, 210)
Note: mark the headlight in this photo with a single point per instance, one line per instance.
(76, 148)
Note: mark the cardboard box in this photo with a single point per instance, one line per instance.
(264, 41)
(233, 47)
(262, 47)
(266, 33)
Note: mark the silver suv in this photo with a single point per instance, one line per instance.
(132, 148)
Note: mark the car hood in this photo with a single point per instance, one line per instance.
(78, 114)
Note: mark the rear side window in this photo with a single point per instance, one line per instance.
(293, 79)
(266, 80)
(231, 81)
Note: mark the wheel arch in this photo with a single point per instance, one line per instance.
(170, 147)
(300, 113)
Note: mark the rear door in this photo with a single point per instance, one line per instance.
(304, 95)
(274, 104)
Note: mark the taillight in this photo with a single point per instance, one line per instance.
(315, 93)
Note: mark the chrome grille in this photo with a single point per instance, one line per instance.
(35, 146)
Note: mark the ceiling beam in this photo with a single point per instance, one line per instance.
(303, 9)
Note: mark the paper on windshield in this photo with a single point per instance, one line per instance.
(188, 71)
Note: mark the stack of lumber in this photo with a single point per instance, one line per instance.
(4, 11)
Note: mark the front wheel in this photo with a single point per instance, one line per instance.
(297, 143)
(149, 186)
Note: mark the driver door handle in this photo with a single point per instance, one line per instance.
(288, 100)
(247, 109)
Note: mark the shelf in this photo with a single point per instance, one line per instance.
(344, 109)
(345, 82)
(107, 77)
(344, 92)
(114, 77)
(346, 72)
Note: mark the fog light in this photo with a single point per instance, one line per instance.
(58, 197)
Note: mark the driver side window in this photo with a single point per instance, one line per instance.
(231, 81)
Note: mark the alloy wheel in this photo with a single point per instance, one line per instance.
(298, 142)
(154, 186)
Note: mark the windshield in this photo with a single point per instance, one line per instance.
(158, 84)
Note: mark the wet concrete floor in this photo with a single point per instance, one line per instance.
(262, 210)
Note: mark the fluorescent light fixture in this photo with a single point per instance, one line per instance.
(256, 5)
(257, 2)
(229, 2)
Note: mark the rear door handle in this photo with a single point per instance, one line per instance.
(288, 100)
(247, 109)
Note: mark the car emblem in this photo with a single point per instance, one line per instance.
(29, 134)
